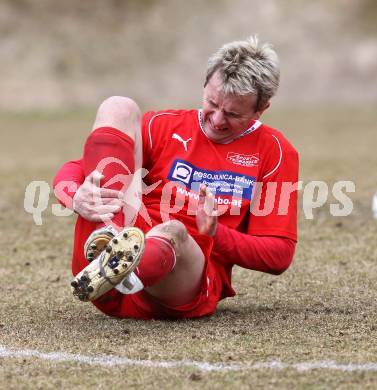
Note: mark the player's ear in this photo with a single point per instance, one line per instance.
(262, 107)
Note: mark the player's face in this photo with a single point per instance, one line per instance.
(227, 116)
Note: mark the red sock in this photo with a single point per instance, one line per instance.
(157, 261)
(103, 144)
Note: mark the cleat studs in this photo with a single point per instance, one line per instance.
(82, 297)
(120, 255)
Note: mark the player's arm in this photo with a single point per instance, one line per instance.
(268, 245)
(85, 195)
(259, 253)
(67, 181)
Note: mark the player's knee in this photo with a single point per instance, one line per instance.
(173, 230)
(119, 106)
(120, 112)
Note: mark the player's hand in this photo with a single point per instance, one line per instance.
(206, 215)
(94, 203)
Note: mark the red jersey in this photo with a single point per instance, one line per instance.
(179, 156)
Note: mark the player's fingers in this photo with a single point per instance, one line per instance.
(92, 217)
(99, 196)
(93, 175)
(202, 189)
(202, 195)
(109, 193)
(113, 201)
(216, 213)
(201, 202)
(95, 178)
(209, 203)
(220, 210)
(102, 217)
(105, 209)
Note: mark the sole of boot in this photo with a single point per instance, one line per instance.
(119, 258)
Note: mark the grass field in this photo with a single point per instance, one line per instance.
(323, 308)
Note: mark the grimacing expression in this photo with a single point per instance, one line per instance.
(227, 116)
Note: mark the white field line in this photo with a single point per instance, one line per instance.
(111, 360)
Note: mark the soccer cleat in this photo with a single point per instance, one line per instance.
(97, 241)
(120, 257)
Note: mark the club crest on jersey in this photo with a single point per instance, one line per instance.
(245, 160)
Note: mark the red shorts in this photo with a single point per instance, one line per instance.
(143, 305)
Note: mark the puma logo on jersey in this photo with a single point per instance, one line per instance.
(178, 138)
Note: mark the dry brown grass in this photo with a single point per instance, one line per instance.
(322, 308)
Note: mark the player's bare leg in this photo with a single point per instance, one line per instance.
(119, 112)
(182, 284)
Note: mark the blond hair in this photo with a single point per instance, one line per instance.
(246, 67)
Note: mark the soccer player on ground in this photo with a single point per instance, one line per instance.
(218, 189)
